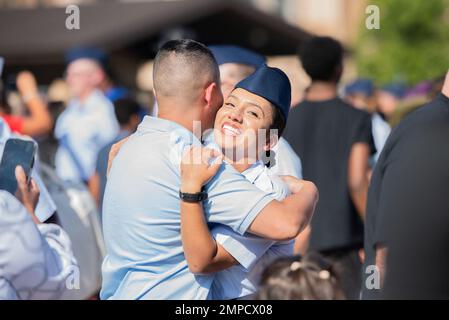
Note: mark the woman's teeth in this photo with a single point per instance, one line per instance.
(231, 131)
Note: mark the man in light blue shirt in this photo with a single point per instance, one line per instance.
(87, 125)
(141, 207)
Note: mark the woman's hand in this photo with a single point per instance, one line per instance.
(113, 153)
(198, 167)
(27, 193)
(294, 184)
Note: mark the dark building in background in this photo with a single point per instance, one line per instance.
(130, 32)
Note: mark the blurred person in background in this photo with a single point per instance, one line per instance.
(388, 99)
(335, 142)
(127, 112)
(310, 277)
(360, 94)
(416, 97)
(237, 63)
(36, 260)
(88, 123)
(38, 122)
(407, 220)
(57, 96)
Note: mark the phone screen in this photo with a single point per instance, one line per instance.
(16, 152)
(2, 63)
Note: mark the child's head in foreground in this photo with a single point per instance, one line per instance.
(294, 278)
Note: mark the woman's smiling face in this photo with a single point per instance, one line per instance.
(242, 124)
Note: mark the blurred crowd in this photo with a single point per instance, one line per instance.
(334, 138)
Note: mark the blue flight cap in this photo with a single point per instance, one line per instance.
(360, 86)
(86, 53)
(395, 89)
(235, 54)
(271, 84)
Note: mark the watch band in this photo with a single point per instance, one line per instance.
(193, 197)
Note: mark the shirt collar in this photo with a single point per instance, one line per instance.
(253, 172)
(150, 123)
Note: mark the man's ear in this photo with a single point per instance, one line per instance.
(209, 93)
(212, 94)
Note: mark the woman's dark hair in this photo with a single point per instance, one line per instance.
(278, 121)
(295, 278)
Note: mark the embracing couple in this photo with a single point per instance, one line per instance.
(184, 221)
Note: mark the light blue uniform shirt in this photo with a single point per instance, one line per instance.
(381, 130)
(253, 253)
(82, 130)
(36, 260)
(141, 215)
(286, 161)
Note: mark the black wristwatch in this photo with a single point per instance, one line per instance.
(193, 197)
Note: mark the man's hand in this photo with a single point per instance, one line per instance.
(198, 167)
(113, 153)
(27, 194)
(294, 184)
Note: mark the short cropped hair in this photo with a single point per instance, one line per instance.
(182, 68)
(321, 58)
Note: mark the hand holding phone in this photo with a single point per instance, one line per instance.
(27, 192)
(17, 152)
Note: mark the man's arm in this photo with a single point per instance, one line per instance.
(281, 221)
(302, 241)
(278, 221)
(358, 172)
(202, 253)
(94, 186)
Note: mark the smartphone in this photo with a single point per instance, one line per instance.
(2, 63)
(17, 152)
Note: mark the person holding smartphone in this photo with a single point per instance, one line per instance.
(36, 259)
(46, 207)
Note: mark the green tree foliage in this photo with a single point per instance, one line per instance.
(411, 45)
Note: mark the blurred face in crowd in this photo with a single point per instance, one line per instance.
(386, 102)
(83, 76)
(231, 74)
(359, 101)
(242, 125)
